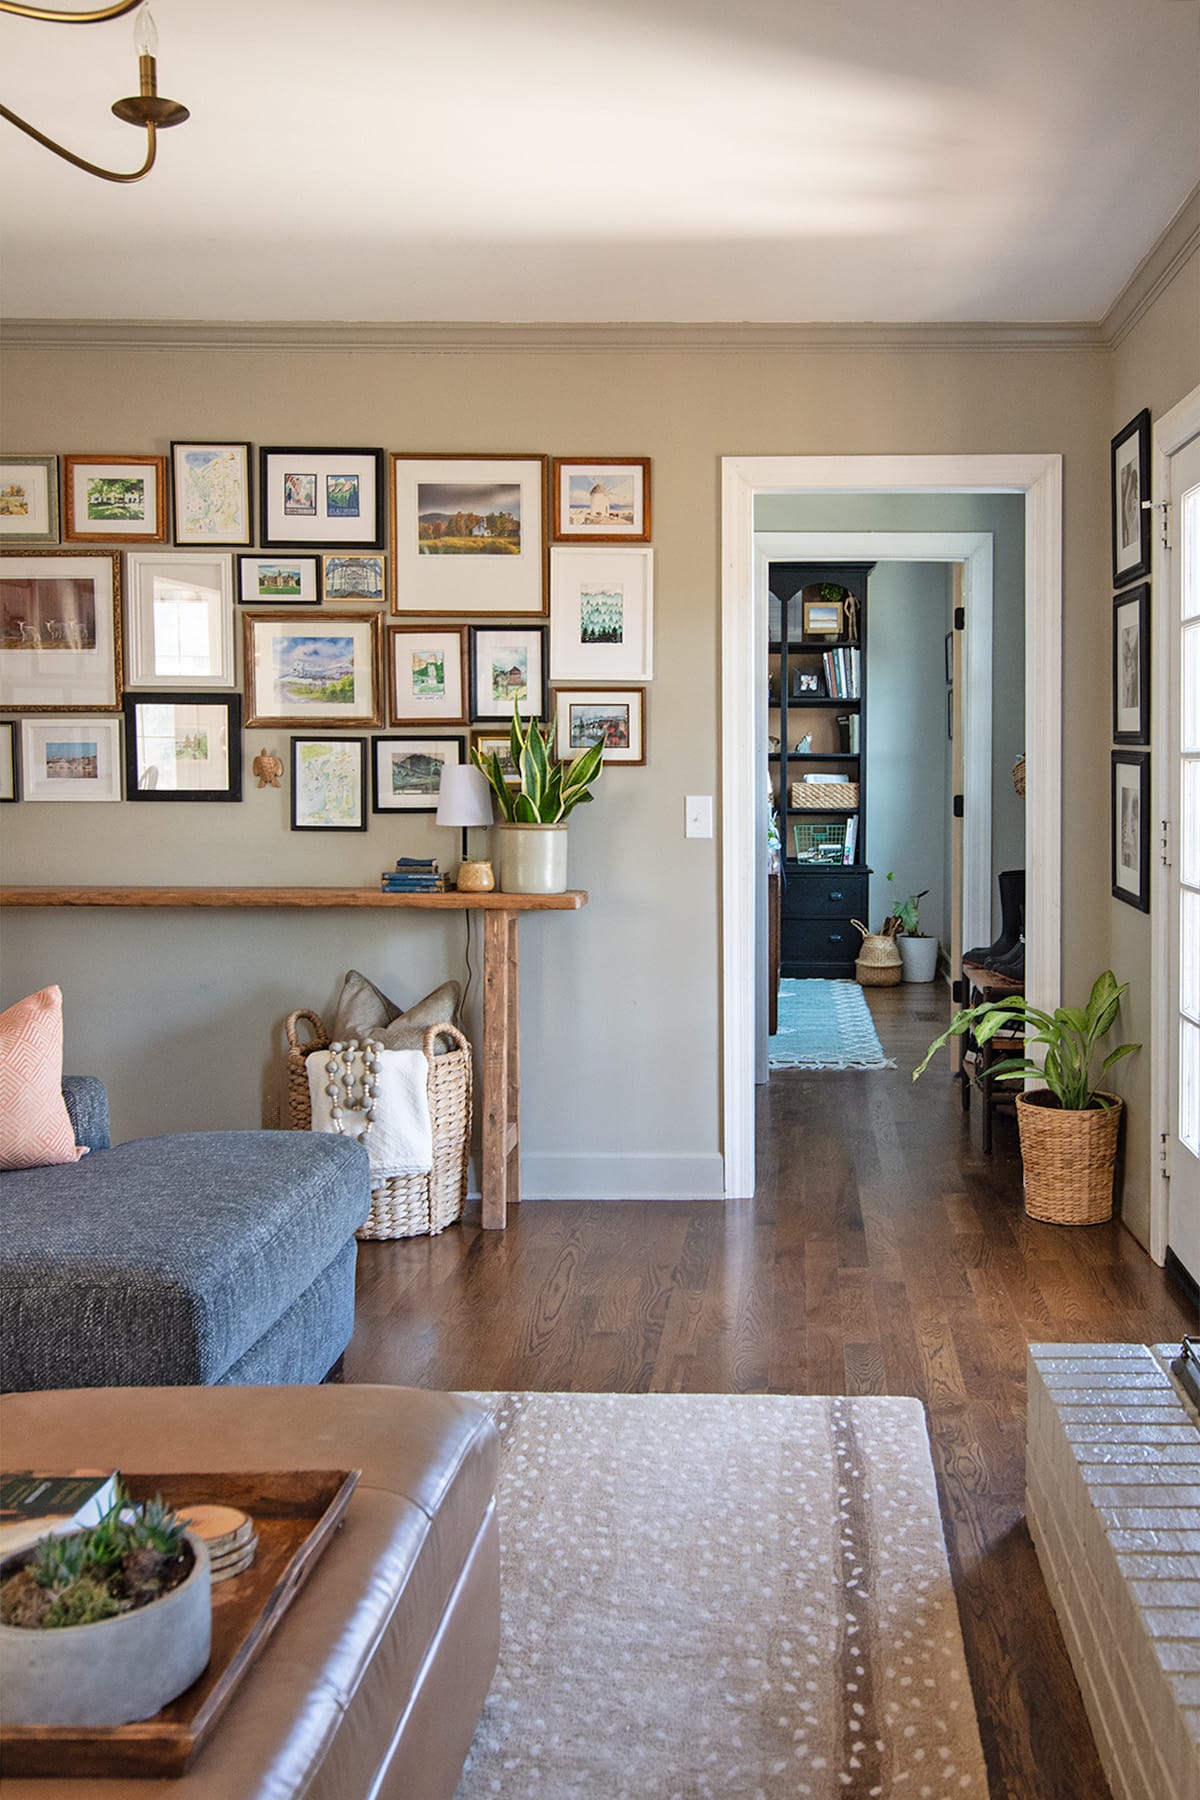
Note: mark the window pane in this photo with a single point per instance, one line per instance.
(1189, 954)
(1190, 513)
(1189, 1086)
(1189, 723)
(1189, 825)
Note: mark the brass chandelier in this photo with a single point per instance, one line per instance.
(146, 108)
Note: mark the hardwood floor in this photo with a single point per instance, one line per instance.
(882, 1253)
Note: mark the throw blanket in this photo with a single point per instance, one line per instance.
(400, 1141)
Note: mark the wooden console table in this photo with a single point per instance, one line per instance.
(500, 1176)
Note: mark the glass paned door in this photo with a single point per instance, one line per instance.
(1183, 1232)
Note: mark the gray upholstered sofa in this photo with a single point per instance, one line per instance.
(199, 1258)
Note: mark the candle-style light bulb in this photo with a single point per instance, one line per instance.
(145, 32)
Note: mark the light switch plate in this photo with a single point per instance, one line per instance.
(698, 816)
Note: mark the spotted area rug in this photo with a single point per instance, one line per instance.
(711, 1597)
(825, 1025)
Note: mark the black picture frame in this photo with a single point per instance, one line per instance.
(424, 800)
(1131, 666)
(142, 776)
(358, 821)
(1131, 826)
(486, 707)
(1130, 488)
(306, 516)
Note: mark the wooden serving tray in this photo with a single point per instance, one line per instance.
(295, 1513)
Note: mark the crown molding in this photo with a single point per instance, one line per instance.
(1156, 271)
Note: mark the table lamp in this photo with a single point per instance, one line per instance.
(464, 799)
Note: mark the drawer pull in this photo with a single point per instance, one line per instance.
(835, 893)
(835, 937)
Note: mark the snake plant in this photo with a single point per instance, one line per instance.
(546, 791)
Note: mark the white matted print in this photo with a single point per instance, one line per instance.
(60, 630)
(601, 615)
(122, 499)
(320, 497)
(306, 669)
(407, 771)
(617, 716)
(469, 534)
(29, 499)
(279, 580)
(602, 499)
(70, 758)
(179, 619)
(426, 674)
(212, 493)
(508, 669)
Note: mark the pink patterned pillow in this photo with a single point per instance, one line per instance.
(35, 1127)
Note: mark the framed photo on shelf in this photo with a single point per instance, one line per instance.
(1131, 827)
(212, 494)
(115, 499)
(406, 773)
(322, 670)
(1130, 487)
(426, 670)
(807, 684)
(508, 667)
(469, 534)
(9, 762)
(278, 580)
(1131, 666)
(320, 497)
(329, 784)
(352, 575)
(28, 499)
(60, 631)
(179, 619)
(601, 615)
(601, 499)
(822, 618)
(71, 758)
(615, 715)
(183, 746)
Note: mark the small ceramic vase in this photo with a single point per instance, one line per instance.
(475, 878)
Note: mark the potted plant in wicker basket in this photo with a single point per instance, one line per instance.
(533, 810)
(1069, 1129)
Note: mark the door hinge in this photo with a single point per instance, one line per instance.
(959, 808)
(1163, 507)
(1164, 1156)
(960, 618)
(1165, 844)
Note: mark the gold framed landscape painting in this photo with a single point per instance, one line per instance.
(115, 499)
(60, 631)
(305, 669)
(469, 534)
(601, 499)
(29, 499)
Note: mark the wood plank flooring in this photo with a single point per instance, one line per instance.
(882, 1253)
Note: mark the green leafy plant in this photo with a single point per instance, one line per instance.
(908, 912)
(128, 1558)
(1070, 1036)
(546, 791)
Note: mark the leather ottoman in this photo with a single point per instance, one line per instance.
(373, 1682)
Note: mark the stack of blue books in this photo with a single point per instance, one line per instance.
(413, 875)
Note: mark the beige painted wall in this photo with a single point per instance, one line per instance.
(181, 1013)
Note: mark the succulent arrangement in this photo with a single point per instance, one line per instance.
(133, 1555)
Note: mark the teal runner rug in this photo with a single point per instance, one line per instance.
(825, 1025)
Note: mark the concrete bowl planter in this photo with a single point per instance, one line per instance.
(114, 1671)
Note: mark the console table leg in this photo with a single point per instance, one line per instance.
(512, 1129)
(499, 1030)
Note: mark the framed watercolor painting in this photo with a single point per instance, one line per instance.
(317, 670)
(212, 494)
(71, 759)
(183, 746)
(406, 773)
(1131, 666)
(508, 668)
(9, 761)
(115, 499)
(601, 615)
(1130, 488)
(1131, 827)
(354, 575)
(427, 668)
(60, 631)
(278, 580)
(615, 715)
(497, 743)
(179, 619)
(28, 499)
(469, 534)
(601, 499)
(313, 497)
(329, 784)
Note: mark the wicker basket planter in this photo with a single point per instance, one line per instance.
(878, 962)
(1069, 1159)
(406, 1205)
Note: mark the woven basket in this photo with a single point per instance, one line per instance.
(1069, 1159)
(406, 1205)
(822, 796)
(878, 963)
(1019, 775)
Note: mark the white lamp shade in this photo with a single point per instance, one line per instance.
(464, 797)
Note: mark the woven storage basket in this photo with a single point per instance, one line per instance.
(1069, 1159)
(821, 796)
(878, 963)
(407, 1205)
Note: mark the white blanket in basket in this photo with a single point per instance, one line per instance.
(400, 1141)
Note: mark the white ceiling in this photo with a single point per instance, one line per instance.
(689, 160)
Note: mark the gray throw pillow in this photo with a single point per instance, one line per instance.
(363, 1009)
(408, 1031)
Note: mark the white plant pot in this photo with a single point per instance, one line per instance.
(117, 1670)
(532, 859)
(918, 957)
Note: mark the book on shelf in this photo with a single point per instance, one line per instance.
(850, 847)
(391, 883)
(35, 1505)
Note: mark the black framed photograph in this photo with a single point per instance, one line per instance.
(318, 498)
(508, 668)
(329, 784)
(1131, 666)
(406, 772)
(278, 580)
(10, 784)
(183, 746)
(1131, 825)
(1130, 487)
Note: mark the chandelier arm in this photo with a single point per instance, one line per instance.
(50, 15)
(79, 161)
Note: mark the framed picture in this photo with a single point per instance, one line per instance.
(313, 497)
(426, 667)
(821, 618)
(329, 784)
(29, 499)
(1131, 827)
(508, 667)
(211, 490)
(807, 684)
(115, 499)
(497, 743)
(71, 758)
(278, 581)
(1130, 487)
(407, 771)
(183, 746)
(601, 615)
(601, 499)
(354, 575)
(469, 534)
(1131, 666)
(616, 715)
(179, 619)
(60, 631)
(9, 781)
(300, 669)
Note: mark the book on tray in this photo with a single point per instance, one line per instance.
(34, 1505)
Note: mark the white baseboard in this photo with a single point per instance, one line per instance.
(647, 1177)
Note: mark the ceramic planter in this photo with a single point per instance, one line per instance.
(918, 957)
(1069, 1159)
(117, 1670)
(532, 859)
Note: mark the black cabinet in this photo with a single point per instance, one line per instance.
(816, 933)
